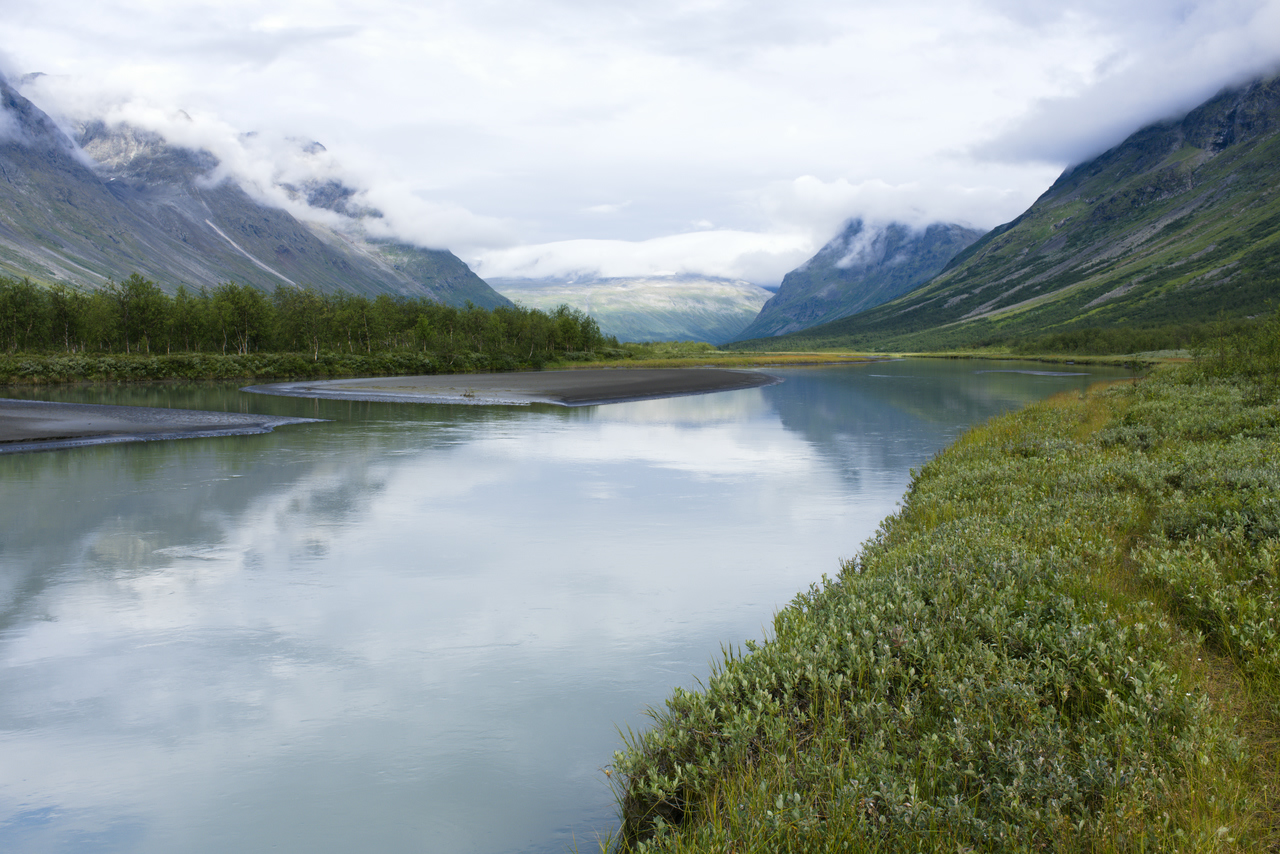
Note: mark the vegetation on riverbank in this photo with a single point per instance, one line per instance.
(683, 354)
(135, 367)
(1093, 343)
(1066, 640)
(132, 330)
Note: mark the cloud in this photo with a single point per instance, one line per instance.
(10, 129)
(485, 125)
(1170, 58)
(821, 207)
(756, 257)
(608, 208)
(435, 225)
(271, 165)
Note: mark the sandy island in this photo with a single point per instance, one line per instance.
(563, 388)
(37, 425)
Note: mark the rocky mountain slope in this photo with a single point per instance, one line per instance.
(649, 308)
(1179, 224)
(118, 200)
(860, 268)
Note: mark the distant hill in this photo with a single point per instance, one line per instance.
(860, 268)
(118, 200)
(1178, 224)
(649, 308)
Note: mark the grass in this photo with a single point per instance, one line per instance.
(32, 368)
(28, 368)
(686, 354)
(726, 360)
(680, 354)
(1065, 640)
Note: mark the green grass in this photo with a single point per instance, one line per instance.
(683, 354)
(39, 368)
(26, 368)
(1065, 640)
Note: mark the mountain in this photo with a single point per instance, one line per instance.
(1179, 224)
(649, 308)
(118, 200)
(860, 268)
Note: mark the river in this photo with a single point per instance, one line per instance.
(415, 627)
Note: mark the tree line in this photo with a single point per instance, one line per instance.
(136, 316)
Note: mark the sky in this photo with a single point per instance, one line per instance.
(640, 137)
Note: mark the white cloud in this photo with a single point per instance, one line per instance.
(10, 130)
(754, 256)
(821, 206)
(606, 209)
(1170, 58)
(487, 125)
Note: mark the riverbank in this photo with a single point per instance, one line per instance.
(1064, 641)
(35, 425)
(40, 369)
(562, 388)
(676, 356)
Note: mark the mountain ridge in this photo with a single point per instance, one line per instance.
(860, 268)
(1179, 223)
(118, 200)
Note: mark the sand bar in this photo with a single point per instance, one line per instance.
(37, 425)
(564, 388)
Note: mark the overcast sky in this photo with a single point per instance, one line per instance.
(547, 137)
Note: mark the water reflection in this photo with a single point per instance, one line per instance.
(414, 627)
(877, 417)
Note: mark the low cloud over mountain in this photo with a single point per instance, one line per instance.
(98, 201)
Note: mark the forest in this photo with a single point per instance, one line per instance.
(136, 317)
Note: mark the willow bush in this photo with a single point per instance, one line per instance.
(1051, 647)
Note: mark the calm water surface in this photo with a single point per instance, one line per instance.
(417, 628)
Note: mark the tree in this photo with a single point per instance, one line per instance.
(142, 310)
(186, 319)
(242, 315)
(67, 309)
(303, 318)
(23, 314)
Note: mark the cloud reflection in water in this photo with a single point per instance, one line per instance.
(415, 627)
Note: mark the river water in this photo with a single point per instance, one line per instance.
(418, 628)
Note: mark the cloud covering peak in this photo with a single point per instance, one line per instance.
(711, 137)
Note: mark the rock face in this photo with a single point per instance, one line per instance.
(1180, 223)
(860, 268)
(118, 200)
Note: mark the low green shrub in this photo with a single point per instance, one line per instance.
(1010, 664)
(27, 368)
(1251, 353)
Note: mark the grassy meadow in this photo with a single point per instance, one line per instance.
(39, 368)
(1065, 640)
(685, 354)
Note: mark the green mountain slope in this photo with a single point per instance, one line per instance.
(118, 201)
(1180, 223)
(649, 308)
(860, 268)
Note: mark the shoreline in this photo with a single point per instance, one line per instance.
(33, 425)
(585, 387)
(1041, 640)
(36, 425)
